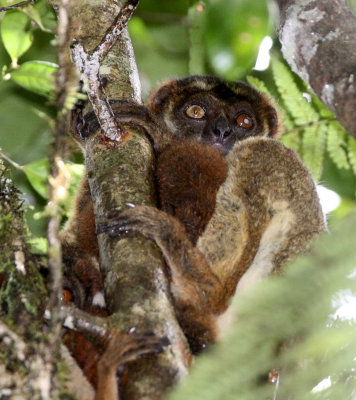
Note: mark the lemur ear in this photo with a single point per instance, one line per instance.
(158, 97)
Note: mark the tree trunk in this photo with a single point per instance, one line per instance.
(318, 41)
(135, 283)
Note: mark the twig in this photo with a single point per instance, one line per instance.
(57, 189)
(80, 321)
(10, 161)
(115, 29)
(89, 65)
(17, 5)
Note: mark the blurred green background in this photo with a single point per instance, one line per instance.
(170, 38)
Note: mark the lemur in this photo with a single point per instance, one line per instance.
(234, 203)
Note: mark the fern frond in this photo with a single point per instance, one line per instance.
(287, 121)
(313, 148)
(351, 152)
(302, 112)
(336, 145)
(292, 140)
(321, 108)
(258, 84)
(261, 87)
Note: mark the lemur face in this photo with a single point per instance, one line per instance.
(213, 111)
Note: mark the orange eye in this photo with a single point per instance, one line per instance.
(244, 121)
(67, 296)
(195, 111)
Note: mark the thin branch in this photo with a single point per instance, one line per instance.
(118, 25)
(10, 161)
(57, 191)
(17, 5)
(89, 66)
(82, 322)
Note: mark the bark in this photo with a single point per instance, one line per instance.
(318, 41)
(26, 364)
(136, 287)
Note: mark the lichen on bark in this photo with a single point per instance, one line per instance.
(25, 372)
(318, 41)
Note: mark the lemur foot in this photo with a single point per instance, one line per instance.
(144, 219)
(125, 347)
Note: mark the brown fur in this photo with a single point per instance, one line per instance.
(85, 352)
(267, 211)
(189, 175)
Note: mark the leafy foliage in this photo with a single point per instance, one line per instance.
(311, 129)
(37, 173)
(37, 76)
(17, 36)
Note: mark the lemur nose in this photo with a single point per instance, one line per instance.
(221, 127)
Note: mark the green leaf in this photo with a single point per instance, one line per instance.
(37, 76)
(15, 34)
(313, 148)
(8, 3)
(38, 245)
(37, 174)
(257, 84)
(34, 14)
(292, 140)
(302, 112)
(43, 14)
(352, 152)
(336, 145)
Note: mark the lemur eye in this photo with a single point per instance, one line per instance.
(244, 121)
(67, 296)
(195, 112)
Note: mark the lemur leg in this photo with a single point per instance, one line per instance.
(191, 275)
(196, 290)
(121, 349)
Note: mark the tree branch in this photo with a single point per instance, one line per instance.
(89, 66)
(318, 41)
(136, 287)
